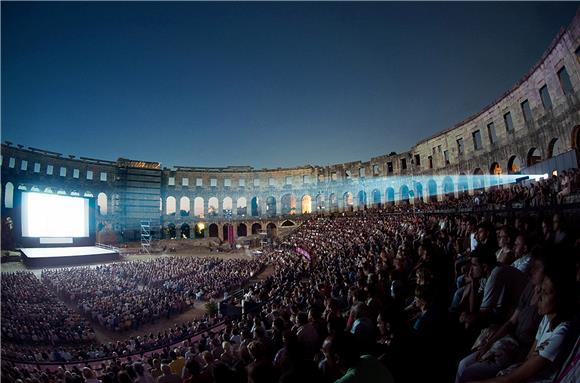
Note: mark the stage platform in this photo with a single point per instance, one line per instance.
(63, 256)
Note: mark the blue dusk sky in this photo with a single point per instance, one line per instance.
(259, 84)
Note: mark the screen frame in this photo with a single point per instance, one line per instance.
(36, 241)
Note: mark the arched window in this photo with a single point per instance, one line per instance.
(184, 206)
(198, 207)
(306, 204)
(102, 203)
(170, 205)
(9, 195)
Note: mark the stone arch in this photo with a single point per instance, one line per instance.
(172, 231)
(185, 230)
(333, 202)
(242, 230)
(555, 147)
(242, 207)
(362, 198)
(184, 206)
(102, 203)
(495, 169)
(271, 230)
(448, 187)
(514, 165)
(575, 139)
(9, 195)
(212, 207)
(255, 207)
(390, 196)
(478, 179)
(376, 198)
(306, 204)
(404, 192)
(288, 223)
(271, 206)
(320, 203)
(418, 192)
(534, 156)
(213, 230)
(227, 206)
(256, 228)
(348, 201)
(288, 204)
(198, 207)
(199, 231)
(432, 190)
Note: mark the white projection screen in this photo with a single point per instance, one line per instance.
(54, 216)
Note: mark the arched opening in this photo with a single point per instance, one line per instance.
(199, 230)
(227, 207)
(390, 193)
(184, 206)
(212, 207)
(89, 194)
(348, 201)
(320, 206)
(288, 202)
(478, 179)
(555, 147)
(48, 190)
(534, 156)
(242, 230)
(256, 228)
(242, 207)
(514, 165)
(37, 189)
(9, 195)
(271, 206)
(198, 207)
(362, 199)
(448, 188)
(376, 198)
(432, 188)
(575, 138)
(418, 192)
(170, 205)
(171, 231)
(288, 223)
(306, 204)
(333, 202)
(102, 203)
(495, 169)
(271, 230)
(59, 192)
(255, 207)
(213, 230)
(404, 194)
(185, 231)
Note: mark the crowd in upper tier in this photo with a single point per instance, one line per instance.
(381, 298)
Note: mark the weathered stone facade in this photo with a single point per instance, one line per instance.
(538, 119)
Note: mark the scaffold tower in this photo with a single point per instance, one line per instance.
(145, 236)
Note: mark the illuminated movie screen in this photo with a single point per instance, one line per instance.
(54, 216)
